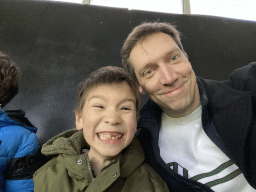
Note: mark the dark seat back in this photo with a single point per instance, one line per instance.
(57, 44)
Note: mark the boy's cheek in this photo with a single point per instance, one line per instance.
(134, 127)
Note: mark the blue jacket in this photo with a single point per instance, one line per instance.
(16, 140)
(228, 118)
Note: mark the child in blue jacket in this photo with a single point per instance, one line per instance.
(18, 143)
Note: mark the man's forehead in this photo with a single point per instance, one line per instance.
(159, 36)
(159, 44)
(152, 40)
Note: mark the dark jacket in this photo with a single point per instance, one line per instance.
(228, 118)
(18, 145)
(69, 170)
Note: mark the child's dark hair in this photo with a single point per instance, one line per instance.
(106, 75)
(9, 79)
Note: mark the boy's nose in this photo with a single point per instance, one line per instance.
(113, 117)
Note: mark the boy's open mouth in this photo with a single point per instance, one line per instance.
(113, 136)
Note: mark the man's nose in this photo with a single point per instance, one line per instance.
(167, 75)
(113, 117)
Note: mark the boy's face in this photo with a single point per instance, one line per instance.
(108, 119)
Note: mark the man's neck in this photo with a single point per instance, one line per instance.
(184, 113)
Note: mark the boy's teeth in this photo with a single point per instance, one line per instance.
(105, 136)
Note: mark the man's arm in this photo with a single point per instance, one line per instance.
(244, 79)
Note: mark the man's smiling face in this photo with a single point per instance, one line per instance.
(165, 74)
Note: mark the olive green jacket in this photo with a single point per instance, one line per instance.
(69, 169)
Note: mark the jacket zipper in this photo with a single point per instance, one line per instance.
(89, 167)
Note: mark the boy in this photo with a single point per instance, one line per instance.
(18, 142)
(102, 154)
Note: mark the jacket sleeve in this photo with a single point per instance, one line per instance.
(245, 79)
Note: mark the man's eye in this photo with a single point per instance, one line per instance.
(148, 72)
(174, 58)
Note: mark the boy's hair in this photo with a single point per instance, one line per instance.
(106, 75)
(139, 33)
(9, 79)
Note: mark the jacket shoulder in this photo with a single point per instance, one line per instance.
(46, 177)
(144, 178)
(46, 168)
(244, 78)
(58, 175)
(16, 141)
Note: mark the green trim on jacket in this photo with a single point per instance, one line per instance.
(68, 170)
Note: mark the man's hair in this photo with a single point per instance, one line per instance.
(9, 79)
(102, 76)
(139, 33)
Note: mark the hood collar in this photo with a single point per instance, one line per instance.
(70, 142)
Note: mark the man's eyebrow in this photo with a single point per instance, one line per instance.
(176, 49)
(152, 64)
(148, 65)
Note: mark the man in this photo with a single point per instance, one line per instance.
(199, 135)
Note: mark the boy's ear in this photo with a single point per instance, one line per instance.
(79, 121)
(141, 90)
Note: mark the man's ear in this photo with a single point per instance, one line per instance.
(79, 121)
(186, 55)
(141, 90)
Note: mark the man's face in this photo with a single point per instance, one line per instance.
(108, 119)
(165, 74)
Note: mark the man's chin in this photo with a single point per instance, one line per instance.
(176, 109)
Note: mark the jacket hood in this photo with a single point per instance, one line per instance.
(71, 142)
(15, 117)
